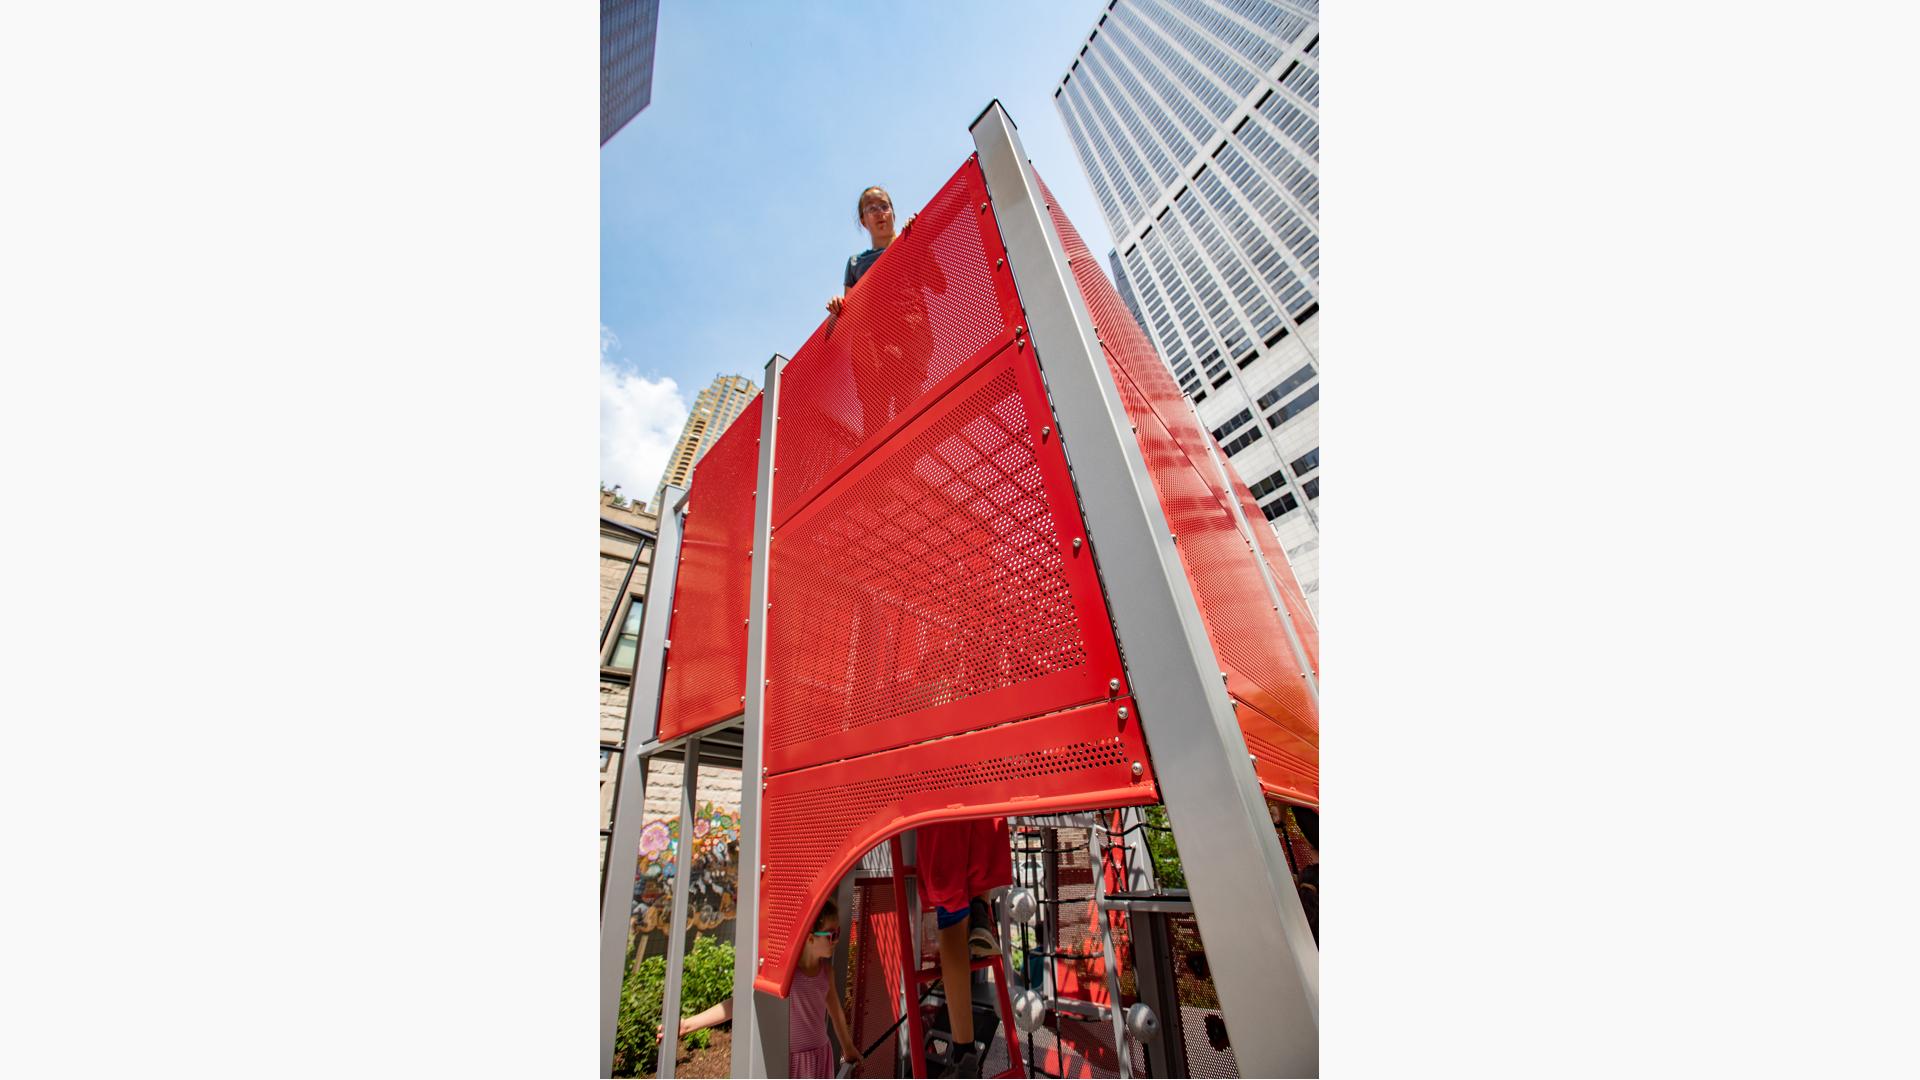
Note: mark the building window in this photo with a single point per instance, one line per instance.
(629, 642)
(1306, 462)
(1312, 488)
(606, 757)
(1294, 408)
(1279, 506)
(1225, 429)
(1267, 486)
(1292, 382)
(1242, 442)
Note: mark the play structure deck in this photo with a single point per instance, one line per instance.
(971, 554)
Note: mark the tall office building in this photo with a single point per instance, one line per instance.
(713, 410)
(1197, 122)
(627, 32)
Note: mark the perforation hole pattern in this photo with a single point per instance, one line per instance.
(935, 576)
(810, 826)
(920, 313)
(707, 665)
(1247, 636)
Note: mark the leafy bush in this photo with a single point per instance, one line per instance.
(1167, 870)
(706, 981)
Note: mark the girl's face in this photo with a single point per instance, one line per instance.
(820, 942)
(876, 213)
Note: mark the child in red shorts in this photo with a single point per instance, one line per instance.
(960, 862)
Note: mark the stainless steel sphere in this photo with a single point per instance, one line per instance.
(1142, 1023)
(1021, 906)
(1029, 1008)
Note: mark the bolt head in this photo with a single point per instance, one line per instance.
(1139, 770)
(1123, 712)
(1113, 685)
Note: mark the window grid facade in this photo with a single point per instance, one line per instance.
(628, 29)
(1197, 124)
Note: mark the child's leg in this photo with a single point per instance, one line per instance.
(956, 969)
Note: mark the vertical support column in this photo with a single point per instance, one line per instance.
(759, 1020)
(630, 796)
(1116, 1011)
(1153, 979)
(677, 922)
(1140, 876)
(1264, 962)
(1266, 573)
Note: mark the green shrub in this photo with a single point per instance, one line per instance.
(1167, 871)
(706, 981)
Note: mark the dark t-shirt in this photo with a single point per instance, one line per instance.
(858, 265)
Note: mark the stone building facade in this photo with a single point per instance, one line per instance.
(627, 540)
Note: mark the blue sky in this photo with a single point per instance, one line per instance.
(727, 206)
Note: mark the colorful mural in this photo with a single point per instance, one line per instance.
(716, 836)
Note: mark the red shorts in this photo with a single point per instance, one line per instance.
(960, 860)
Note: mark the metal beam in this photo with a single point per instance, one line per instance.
(630, 798)
(1265, 966)
(677, 922)
(759, 1020)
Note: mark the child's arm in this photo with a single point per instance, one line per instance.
(719, 1014)
(838, 1013)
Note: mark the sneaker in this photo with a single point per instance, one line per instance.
(981, 939)
(956, 1062)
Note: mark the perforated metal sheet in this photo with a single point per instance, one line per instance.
(936, 587)
(875, 970)
(1303, 623)
(1276, 713)
(934, 306)
(819, 820)
(707, 665)
(1202, 1029)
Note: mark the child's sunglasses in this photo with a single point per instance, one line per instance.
(830, 935)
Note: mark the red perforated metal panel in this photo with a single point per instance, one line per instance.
(819, 820)
(937, 303)
(707, 665)
(1303, 623)
(1276, 713)
(936, 587)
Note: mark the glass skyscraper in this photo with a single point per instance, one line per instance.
(1197, 122)
(627, 32)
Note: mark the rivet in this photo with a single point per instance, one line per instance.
(998, 263)
(1113, 685)
(1255, 760)
(1046, 430)
(1076, 543)
(1139, 770)
(1223, 676)
(763, 868)
(1123, 712)
(983, 208)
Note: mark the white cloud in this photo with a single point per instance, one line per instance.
(640, 419)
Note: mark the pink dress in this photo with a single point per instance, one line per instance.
(809, 1054)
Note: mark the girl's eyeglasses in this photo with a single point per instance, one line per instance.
(830, 935)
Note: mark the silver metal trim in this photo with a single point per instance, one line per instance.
(759, 1020)
(1267, 973)
(629, 799)
(677, 921)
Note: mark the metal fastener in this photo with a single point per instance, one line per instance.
(1046, 430)
(983, 208)
(998, 263)
(1076, 543)
(1123, 712)
(1223, 676)
(1139, 770)
(1113, 685)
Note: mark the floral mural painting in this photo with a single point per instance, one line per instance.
(716, 835)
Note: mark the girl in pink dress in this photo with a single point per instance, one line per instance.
(810, 1005)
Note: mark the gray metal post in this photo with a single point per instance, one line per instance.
(1097, 840)
(629, 797)
(677, 922)
(1140, 876)
(759, 1020)
(1264, 962)
(1153, 981)
(1266, 573)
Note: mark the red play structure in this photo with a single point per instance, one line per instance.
(972, 554)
